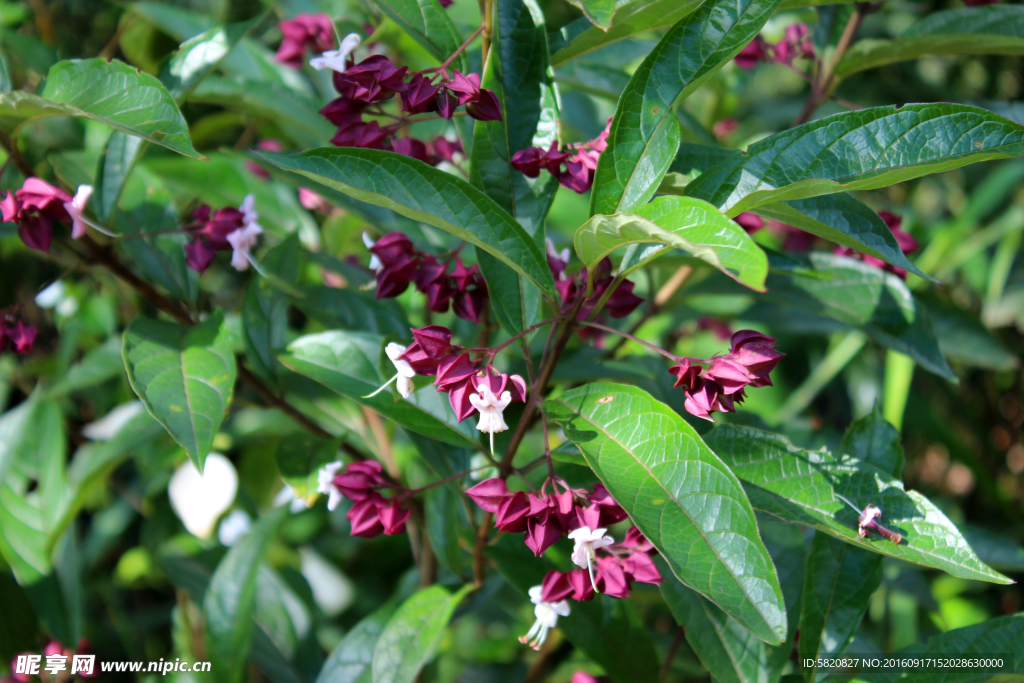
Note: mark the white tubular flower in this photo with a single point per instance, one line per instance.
(547, 614)
(587, 542)
(325, 483)
(335, 59)
(244, 239)
(490, 408)
(248, 209)
(405, 371)
(75, 208)
(375, 264)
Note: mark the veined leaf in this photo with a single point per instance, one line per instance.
(844, 220)
(858, 150)
(996, 636)
(630, 18)
(803, 487)
(426, 194)
(351, 659)
(113, 93)
(230, 600)
(875, 441)
(428, 24)
(992, 30)
(347, 362)
(598, 12)
(645, 132)
(185, 376)
(680, 495)
(681, 222)
(608, 631)
(353, 310)
(413, 633)
(115, 165)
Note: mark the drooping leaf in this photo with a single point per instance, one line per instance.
(428, 24)
(680, 495)
(353, 310)
(992, 30)
(300, 456)
(426, 194)
(413, 633)
(680, 222)
(838, 585)
(350, 660)
(965, 339)
(608, 631)
(858, 150)
(645, 132)
(802, 487)
(844, 220)
(230, 600)
(185, 376)
(115, 165)
(630, 18)
(109, 92)
(347, 362)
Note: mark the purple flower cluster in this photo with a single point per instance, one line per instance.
(371, 513)
(455, 372)
(210, 232)
(16, 334)
(721, 385)
(398, 264)
(312, 32)
(906, 242)
(580, 161)
(34, 207)
(796, 43)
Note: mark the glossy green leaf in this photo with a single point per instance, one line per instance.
(185, 375)
(598, 12)
(353, 310)
(875, 441)
(675, 222)
(645, 132)
(680, 495)
(23, 537)
(426, 194)
(993, 637)
(351, 659)
(348, 363)
(444, 519)
(198, 56)
(99, 365)
(844, 220)
(630, 18)
(16, 432)
(607, 630)
(838, 585)
(730, 652)
(861, 296)
(230, 600)
(159, 258)
(264, 324)
(802, 487)
(858, 150)
(992, 30)
(115, 165)
(965, 339)
(413, 633)
(109, 92)
(300, 456)
(428, 24)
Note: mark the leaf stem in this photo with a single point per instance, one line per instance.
(444, 66)
(627, 335)
(532, 328)
(821, 90)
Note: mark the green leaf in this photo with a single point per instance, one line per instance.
(426, 194)
(353, 310)
(963, 338)
(264, 325)
(838, 584)
(109, 92)
(680, 222)
(629, 19)
(875, 441)
(230, 600)
(645, 132)
(1002, 635)
(680, 495)
(802, 487)
(198, 56)
(444, 518)
(115, 165)
(598, 12)
(99, 365)
(861, 296)
(16, 434)
(23, 537)
(348, 363)
(413, 633)
(608, 631)
(428, 24)
(858, 150)
(159, 258)
(729, 651)
(300, 456)
(844, 220)
(185, 375)
(993, 30)
(351, 659)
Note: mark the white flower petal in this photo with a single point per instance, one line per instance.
(199, 499)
